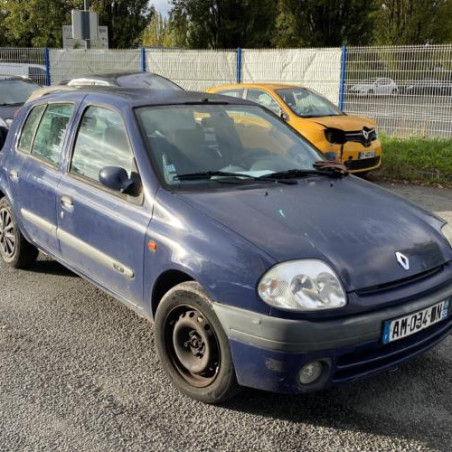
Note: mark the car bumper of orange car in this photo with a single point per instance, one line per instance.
(357, 157)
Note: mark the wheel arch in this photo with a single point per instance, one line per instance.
(165, 282)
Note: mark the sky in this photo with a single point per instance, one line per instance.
(161, 5)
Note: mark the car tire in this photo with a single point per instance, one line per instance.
(192, 346)
(15, 250)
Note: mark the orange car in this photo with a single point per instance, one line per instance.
(353, 139)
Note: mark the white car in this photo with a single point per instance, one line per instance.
(35, 72)
(375, 87)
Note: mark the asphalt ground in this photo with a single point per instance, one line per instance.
(78, 372)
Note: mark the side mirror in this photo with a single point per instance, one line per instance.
(116, 179)
(283, 115)
(330, 156)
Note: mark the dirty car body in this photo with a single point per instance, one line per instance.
(308, 274)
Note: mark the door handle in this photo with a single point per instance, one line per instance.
(66, 202)
(14, 175)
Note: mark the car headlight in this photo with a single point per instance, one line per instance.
(304, 285)
(335, 136)
(447, 232)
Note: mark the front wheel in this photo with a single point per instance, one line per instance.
(14, 248)
(193, 348)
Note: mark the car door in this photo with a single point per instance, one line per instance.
(34, 171)
(102, 232)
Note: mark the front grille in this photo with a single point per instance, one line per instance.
(385, 356)
(365, 136)
(362, 164)
(400, 282)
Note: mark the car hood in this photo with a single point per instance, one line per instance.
(345, 122)
(353, 225)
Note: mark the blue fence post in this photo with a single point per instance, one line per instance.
(143, 59)
(238, 56)
(344, 52)
(47, 64)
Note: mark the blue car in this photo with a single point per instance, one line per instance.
(260, 263)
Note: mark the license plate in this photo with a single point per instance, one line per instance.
(412, 323)
(366, 155)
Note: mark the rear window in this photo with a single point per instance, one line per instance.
(29, 129)
(49, 138)
(151, 81)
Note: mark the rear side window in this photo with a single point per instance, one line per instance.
(29, 129)
(49, 138)
(232, 93)
(101, 141)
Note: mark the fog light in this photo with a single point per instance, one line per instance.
(310, 372)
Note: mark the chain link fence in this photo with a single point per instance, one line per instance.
(25, 62)
(408, 90)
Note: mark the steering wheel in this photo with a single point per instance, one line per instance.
(305, 110)
(296, 155)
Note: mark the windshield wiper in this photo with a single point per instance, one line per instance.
(207, 175)
(322, 168)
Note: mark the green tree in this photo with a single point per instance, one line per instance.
(331, 23)
(222, 24)
(126, 20)
(158, 32)
(34, 23)
(38, 23)
(410, 22)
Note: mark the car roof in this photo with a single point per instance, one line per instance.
(110, 75)
(272, 86)
(14, 77)
(140, 97)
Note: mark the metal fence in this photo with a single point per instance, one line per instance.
(407, 89)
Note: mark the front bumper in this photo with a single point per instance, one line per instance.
(351, 153)
(269, 352)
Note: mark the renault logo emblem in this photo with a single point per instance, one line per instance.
(365, 134)
(403, 261)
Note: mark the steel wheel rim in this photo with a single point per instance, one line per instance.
(192, 346)
(7, 234)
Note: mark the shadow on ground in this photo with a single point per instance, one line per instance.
(398, 404)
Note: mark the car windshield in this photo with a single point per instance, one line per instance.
(151, 81)
(307, 104)
(16, 91)
(206, 144)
